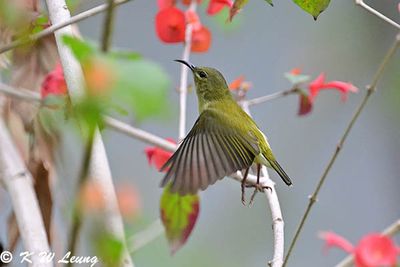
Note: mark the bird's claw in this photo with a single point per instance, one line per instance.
(257, 188)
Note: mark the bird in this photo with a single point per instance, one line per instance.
(223, 140)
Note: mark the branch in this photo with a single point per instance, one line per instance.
(184, 76)
(370, 90)
(275, 208)
(56, 26)
(376, 13)
(99, 169)
(146, 236)
(262, 99)
(19, 184)
(390, 231)
(108, 26)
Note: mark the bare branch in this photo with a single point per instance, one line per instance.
(99, 168)
(184, 76)
(108, 27)
(56, 26)
(370, 90)
(376, 13)
(393, 229)
(262, 99)
(146, 236)
(19, 184)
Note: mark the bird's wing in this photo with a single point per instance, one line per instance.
(212, 150)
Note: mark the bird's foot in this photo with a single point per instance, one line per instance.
(257, 188)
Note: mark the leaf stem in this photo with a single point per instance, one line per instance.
(370, 89)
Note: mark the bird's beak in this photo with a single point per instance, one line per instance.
(190, 66)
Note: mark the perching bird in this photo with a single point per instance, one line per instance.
(223, 140)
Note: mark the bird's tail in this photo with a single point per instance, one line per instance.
(275, 165)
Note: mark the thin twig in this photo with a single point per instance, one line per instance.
(376, 13)
(370, 89)
(184, 76)
(99, 169)
(77, 213)
(108, 27)
(19, 184)
(393, 229)
(56, 26)
(262, 99)
(146, 236)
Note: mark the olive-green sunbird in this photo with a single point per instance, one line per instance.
(224, 139)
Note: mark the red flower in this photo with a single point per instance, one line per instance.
(162, 4)
(187, 2)
(201, 40)
(215, 6)
(193, 18)
(373, 250)
(54, 83)
(305, 106)
(319, 84)
(240, 83)
(157, 156)
(295, 71)
(170, 25)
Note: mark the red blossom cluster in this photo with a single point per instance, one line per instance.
(373, 250)
(171, 23)
(314, 87)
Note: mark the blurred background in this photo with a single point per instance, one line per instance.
(361, 192)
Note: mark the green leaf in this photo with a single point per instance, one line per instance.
(109, 248)
(269, 2)
(313, 7)
(237, 6)
(179, 216)
(297, 78)
(129, 55)
(82, 50)
(143, 85)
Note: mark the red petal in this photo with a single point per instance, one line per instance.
(170, 25)
(305, 105)
(187, 2)
(236, 83)
(201, 40)
(54, 83)
(295, 71)
(335, 240)
(375, 250)
(157, 156)
(343, 87)
(193, 18)
(165, 3)
(316, 85)
(215, 6)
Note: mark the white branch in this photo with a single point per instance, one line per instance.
(81, 16)
(99, 167)
(19, 184)
(276, 213)
(184, 76)
(390, 231)
(146, 236)
(376, 13)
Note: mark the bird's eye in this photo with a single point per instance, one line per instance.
(202, 74)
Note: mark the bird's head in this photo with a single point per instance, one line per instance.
(210, 84)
